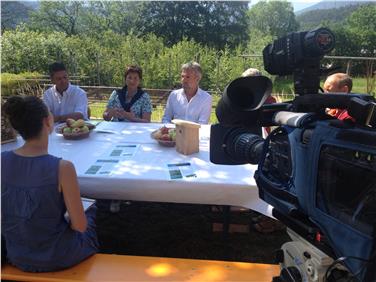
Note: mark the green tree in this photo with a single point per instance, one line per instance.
(61, 16)
(345, 43)
(356, 36)
(275, 18)
(117, 16)
(214, 23)
(228, 67)
(104, 59)
(362, 26)
(30, 51)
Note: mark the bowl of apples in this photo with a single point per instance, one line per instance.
(75, 129)
(165, 136)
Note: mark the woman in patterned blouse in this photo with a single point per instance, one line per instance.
(130, 103)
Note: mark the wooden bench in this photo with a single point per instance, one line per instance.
(105, 267)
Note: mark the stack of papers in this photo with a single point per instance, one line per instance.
(112, 158)
(107, 127)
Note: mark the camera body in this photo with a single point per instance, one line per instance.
(302, 260)
(319, 173)
(324, 172)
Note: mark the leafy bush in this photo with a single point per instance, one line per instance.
(104, 58)
(20, 84)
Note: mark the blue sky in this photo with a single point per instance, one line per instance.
(297, 4)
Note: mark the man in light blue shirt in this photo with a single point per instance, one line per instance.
(190, 102)
(63, 99)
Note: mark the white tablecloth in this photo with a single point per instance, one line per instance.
(144, 177)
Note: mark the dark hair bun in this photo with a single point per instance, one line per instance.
(26, 114)
(14, 106)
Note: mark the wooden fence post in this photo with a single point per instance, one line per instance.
(97, 66)
(348, 68)
(371, 76)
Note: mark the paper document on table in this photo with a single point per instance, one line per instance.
(180, 171)
(103, 167)
(107, 127)
(122, 151)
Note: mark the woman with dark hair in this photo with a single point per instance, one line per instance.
(130, 103)
(37, 189)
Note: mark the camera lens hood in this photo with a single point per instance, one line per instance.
(241, 100)
(247, 93)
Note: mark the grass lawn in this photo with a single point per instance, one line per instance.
(360, 86)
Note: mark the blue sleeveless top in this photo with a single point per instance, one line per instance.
(37, 235)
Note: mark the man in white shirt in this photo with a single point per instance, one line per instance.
(190, 102)
(63, 99)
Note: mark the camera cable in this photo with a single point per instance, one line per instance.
(341, 261)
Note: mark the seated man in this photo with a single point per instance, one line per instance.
(338, 83)
(63, 99)
(190, 102)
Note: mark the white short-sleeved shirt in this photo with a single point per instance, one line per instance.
(198, 109)
(73, 100)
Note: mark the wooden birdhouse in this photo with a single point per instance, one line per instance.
(187, 136)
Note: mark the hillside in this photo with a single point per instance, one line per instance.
(32, 4)
(330, 4)
(329, 12)
(15, 12)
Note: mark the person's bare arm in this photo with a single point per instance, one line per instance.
(72, 198)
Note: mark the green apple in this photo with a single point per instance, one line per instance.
(78, 123)
(70, 122)
(84, 129)
(172, 134)
(67, 130)
(76, 130)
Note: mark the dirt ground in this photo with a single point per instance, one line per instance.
(182, 231)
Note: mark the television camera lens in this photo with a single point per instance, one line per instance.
(243, 146)
(318, 42)
(293, 51)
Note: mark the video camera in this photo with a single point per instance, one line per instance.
(318, 172)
